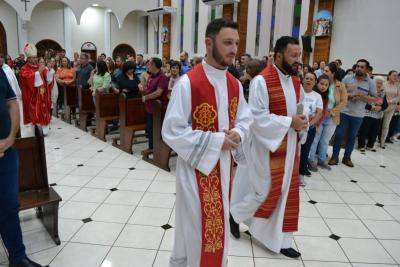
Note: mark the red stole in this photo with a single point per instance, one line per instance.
(277, 105)
(205, 118)
(27, 78)
(42, 97)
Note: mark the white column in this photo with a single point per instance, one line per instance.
(265, 26)
(305, 8)
(252, 27)
(283, 18)
(22, 34)
(68, 21)
(107, 33)
(235, 11)
(151, 36)
(313, 36)
(189, 27)
(219, 11)
(175, 35)
(204, 14)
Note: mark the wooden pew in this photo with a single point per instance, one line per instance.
(70, 102)
(107, 110)
(161, 151)
(86, 108)
(132, 117)
(34, 190)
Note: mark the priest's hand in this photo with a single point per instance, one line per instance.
(229, 144)
(299, 122)
(233, 135)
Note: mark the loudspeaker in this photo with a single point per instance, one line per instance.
(306, 40)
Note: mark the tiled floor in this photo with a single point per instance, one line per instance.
(349, 217)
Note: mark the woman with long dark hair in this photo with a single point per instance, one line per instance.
(101, 80)
(336, 102)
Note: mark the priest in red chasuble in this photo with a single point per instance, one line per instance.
(206, 122)
(27, 77)
(266, 191)
(36, 90)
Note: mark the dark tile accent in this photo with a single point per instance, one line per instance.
(312, 202)
(87, 220)
(334, 237)
(379, 205)
(56, 148)
(247, 233)
(80, 165)
(76, 137)
(59, 128)
(100, 150)
(132, 168)
(382, 166)
(354, 181)
(113, 189)
(53, 184)
(166, 226)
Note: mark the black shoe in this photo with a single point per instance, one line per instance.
(308, 173)
(291, 253)
(348, 162)
(24, 263)
(389, 141)
(333, 161)
(234, 227)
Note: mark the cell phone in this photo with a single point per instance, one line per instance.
(300, 109)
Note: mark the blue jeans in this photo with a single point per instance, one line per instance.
(10, 229)
(321, 140)
(348, 125)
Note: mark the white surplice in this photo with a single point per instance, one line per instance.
(199, 150)
(253, 181)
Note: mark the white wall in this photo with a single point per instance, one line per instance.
(8, 17)
(128, 34)
(91, 29)
(47, 23)
(367, 29)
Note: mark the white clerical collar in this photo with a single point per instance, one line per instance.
(212, 71)
(281, 74)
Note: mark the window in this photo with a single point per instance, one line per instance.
(296, 19)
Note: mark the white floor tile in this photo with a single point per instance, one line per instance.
(113, 213)
(240, 261)
(312, 227)
(140, 236)
(320, 249)
(162, 187)
(348, 228)
(77, 210)
(384, 229)
(370, 212)
(105, 183)
(91, 195)
(240, 247)
(67, 228)
(142, 174)
(167, 242)
(157, 200)
(79, 255)
(325, 264)
(308, 210)
(356, 198)
(75, 180)
(365, 250)
(324, 196)
(386, 199)
(129, 257)
(134, 185)
(260, 262)
(99, 233)
(335, 211)
(393, 211)
(120, 197)
(114, 172)
(162, 258)
(150, 216)
(393, 247)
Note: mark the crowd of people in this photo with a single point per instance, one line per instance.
(221, 110)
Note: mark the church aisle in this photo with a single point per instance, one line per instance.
(118, 211)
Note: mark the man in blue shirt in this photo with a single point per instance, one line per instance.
(184, 58)
(141, 66)
(10, 229)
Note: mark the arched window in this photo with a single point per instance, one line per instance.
(47, 44)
